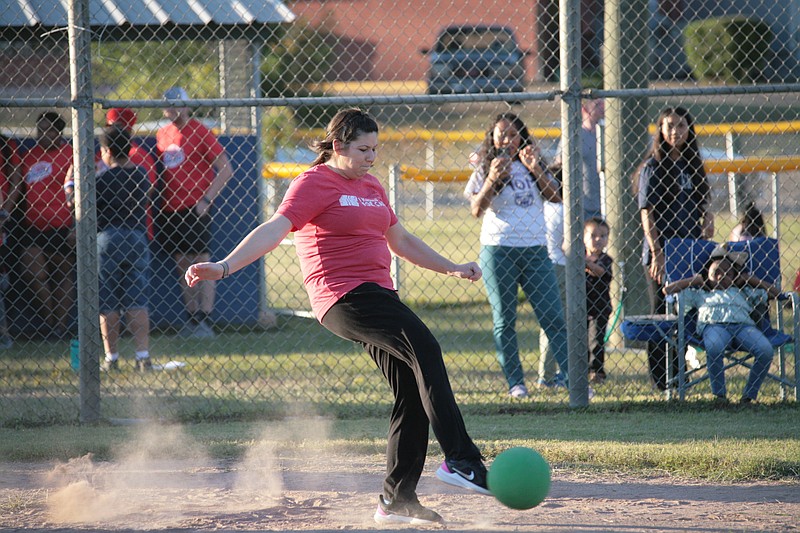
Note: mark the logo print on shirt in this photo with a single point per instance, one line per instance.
(376, 202)
(349, 200)
(173, 156)
(39, 171)
(685, 179)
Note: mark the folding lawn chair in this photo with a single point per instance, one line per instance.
(686, 257)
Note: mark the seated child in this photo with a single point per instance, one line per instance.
(725, 297)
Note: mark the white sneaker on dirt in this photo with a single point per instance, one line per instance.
(406, 512)
(518, 392)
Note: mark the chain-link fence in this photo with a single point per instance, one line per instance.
(259, 81)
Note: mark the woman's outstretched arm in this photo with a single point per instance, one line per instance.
(414, 250)
(257, 243)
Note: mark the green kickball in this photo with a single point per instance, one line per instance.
(519, 478)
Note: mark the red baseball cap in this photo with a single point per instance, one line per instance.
(121, 115)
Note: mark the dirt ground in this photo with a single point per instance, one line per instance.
(298, 491)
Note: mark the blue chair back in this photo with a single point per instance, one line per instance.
(686, 257)
(764, 258)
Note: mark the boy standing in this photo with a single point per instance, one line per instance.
(598, 293)
(122, 251)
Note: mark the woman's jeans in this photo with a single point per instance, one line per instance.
(505, 269)
(717, 337)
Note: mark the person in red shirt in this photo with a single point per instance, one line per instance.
(196, 169)
(48, 242)
(345, 233)
(9, 180)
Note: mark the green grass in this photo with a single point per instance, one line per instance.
(735, 444)
(245, 375)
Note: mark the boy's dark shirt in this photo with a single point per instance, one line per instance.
(122, 198)
(598, 288)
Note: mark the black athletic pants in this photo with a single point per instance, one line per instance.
(597, 327)
(411, 361)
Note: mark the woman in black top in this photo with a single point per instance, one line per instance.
(674, 201)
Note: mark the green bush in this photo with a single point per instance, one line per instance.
(728, 49)
(300, 57)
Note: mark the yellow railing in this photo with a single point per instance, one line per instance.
(284, 171)
(753, 164)
(703, 130)
(713, 166)
(745, 128)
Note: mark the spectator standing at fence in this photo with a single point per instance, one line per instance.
(344, 233)
(9, 181)
(48, 239)
(139, 155)
(508, 189)
(673, 197)
(751, 225)
(196, 169)
(554, 222)
(122, 250)
(592, 112)
(599, 273)
(725, 297)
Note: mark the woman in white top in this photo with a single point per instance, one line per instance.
(508, 188)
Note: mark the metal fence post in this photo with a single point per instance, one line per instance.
(430, 187)
(85, 210)
(394, 183)
(266, 317)
(735, 192)
(626, 139)
(577, 334)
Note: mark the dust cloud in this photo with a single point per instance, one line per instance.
(162, 477)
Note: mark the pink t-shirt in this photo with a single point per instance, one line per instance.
(340, 228)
